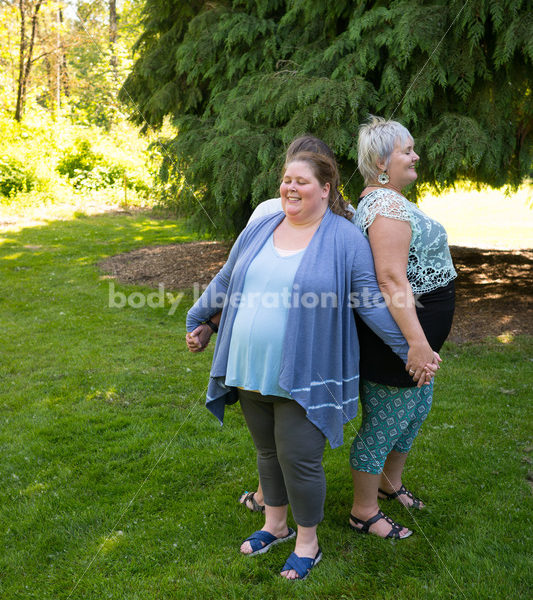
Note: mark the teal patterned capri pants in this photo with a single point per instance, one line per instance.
(392, 417)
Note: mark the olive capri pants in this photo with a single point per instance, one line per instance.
(289, 455)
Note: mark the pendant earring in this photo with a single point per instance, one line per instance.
(383, 178)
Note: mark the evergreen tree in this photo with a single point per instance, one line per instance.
(241, 78)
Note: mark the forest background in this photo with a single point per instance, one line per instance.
(65, 136)
(231, 78)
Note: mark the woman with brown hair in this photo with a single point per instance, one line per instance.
(287, 289)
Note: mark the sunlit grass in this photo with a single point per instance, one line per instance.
(117, 482)
(482, 219)
(486, 218)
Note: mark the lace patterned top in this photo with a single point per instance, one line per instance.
(430, 263)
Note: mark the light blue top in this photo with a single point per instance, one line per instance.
(430, 263)
(254, 359)
(320, 355)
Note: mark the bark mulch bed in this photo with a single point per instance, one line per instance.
(494, 287)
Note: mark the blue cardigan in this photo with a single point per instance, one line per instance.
(320, 362)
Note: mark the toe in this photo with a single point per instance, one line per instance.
(289, 574)
(246, 548)
(245, 499)
(405, 532)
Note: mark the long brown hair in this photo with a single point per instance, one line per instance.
(325, 170)
(308, 143)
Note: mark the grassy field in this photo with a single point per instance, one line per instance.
(486, 218)
(118, 483)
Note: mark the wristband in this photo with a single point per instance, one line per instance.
(212, 325)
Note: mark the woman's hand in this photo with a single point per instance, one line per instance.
(198, 339)
(420, 354)
(427, 373)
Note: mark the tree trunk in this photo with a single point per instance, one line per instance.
(65, 82)
(49, 67)
(58, 62)
(113, 33)
(25, 61)
(19, 108)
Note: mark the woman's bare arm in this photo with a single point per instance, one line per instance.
(390, 240)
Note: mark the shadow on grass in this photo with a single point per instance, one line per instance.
(119, 484)
(94, 237)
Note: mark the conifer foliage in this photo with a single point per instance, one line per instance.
(241, 78)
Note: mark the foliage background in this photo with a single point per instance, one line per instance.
(73, 60)
(240, 79)
(73, 143)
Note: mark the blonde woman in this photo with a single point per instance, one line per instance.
(415, 273)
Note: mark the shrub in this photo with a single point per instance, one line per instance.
(88, 170)
(14, 177)
(79, 160)
(100, 176)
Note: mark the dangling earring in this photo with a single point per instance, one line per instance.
(383, 178)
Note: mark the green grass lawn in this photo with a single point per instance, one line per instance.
(118, 483)
(486, 218)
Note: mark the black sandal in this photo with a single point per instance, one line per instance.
(394, 533)
(247, 497)
(401, 492)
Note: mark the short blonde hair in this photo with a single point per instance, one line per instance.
(377, 139)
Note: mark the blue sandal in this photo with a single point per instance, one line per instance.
(301, 564)
(262, 541)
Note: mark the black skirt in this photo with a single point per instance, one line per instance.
(380, 364)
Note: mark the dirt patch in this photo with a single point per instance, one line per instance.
(494, 293)
(493, 288)
(177, 266)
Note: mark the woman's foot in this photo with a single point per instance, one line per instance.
(378, 524)
(300, 565)
(262, 540)
(308, 550)
(252, 501)
(404, 496)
